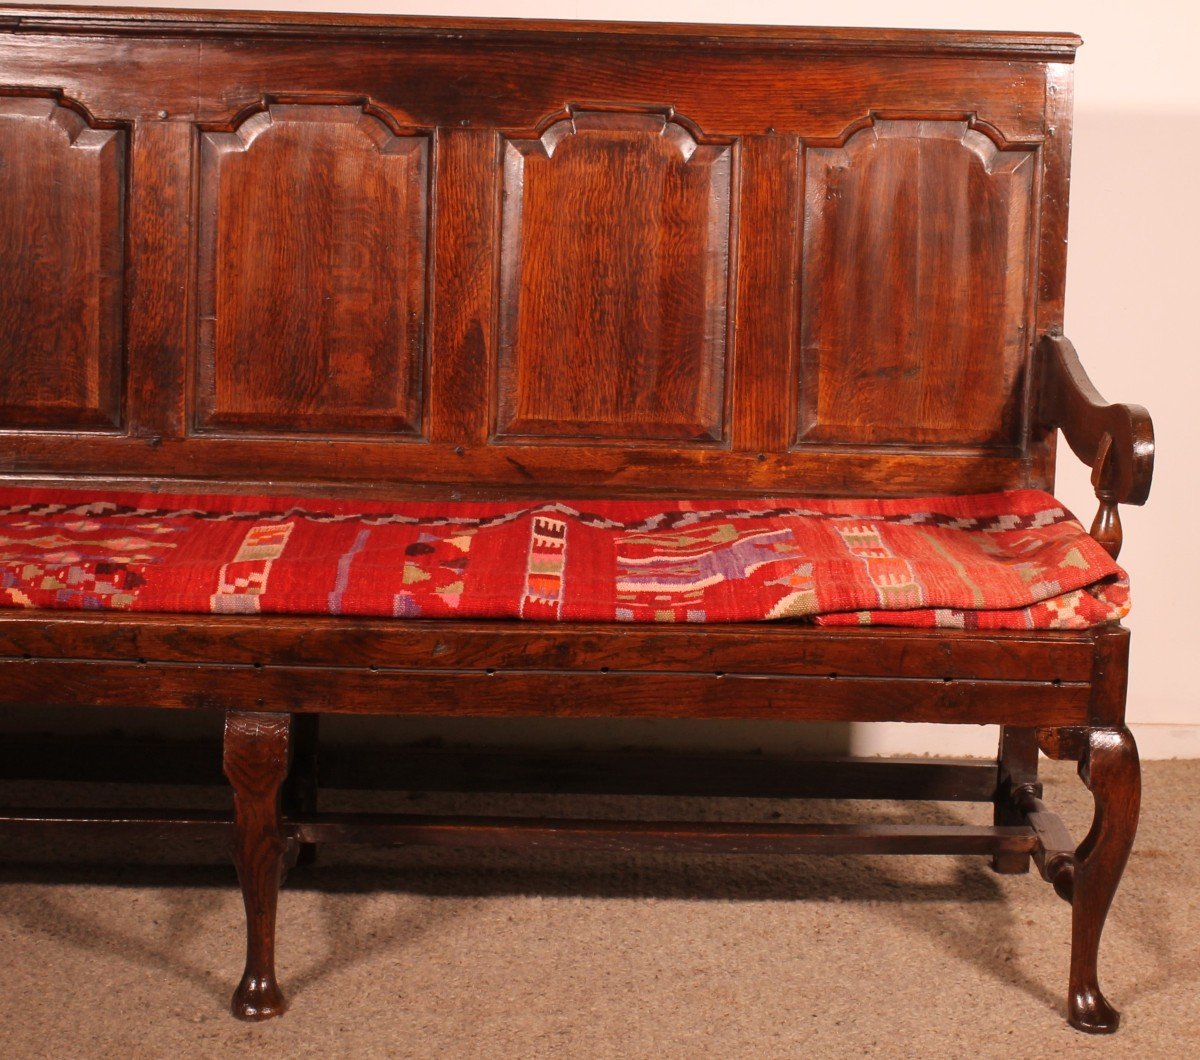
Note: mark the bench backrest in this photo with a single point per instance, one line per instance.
(542, 257)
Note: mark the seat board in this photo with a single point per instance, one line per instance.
(494, 692)
(783, 649)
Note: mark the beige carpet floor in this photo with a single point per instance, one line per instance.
(424, 953)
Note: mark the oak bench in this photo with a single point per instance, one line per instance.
(417, 261)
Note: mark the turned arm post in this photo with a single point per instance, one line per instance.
(1116, 441)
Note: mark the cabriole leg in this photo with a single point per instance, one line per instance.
(256, 763)
(1109, 767)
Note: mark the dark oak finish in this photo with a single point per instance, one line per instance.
(615, 261)
(470, 259)
(256, 763)
(1055, 855)
(915, 319)
(384, 766)
(706, 837)
(255, 1000)
(1108, 765)
(1018, 760)
(542, 693)
(312, 229)
(62, 262)
(620, 309)
(300, 790)
(1117, 441)
(1044, 657)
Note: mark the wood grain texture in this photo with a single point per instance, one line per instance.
(755, 86)
(61, 260)
(615, 280)
(256, 764)
(466, 242)
(312, 273)
(337, 464)
(551, 400)
(1110, 769)
(1116, 440)
(521, 693)
(252, 25)
(765, 382)
(915, 319)
(159, 273)
(1110, 676)
(749, 648)
(473, 259)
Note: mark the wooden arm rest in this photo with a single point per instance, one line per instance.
(1116, 441)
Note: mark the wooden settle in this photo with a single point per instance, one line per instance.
(468, 259)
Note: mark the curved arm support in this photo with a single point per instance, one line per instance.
(1116, 441)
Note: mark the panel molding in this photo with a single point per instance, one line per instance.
(324, 242)
(971, 119)
(62, 308)
(878, 367)
(775, 106)
(569, 348)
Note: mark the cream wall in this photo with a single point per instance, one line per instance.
(1131, 292)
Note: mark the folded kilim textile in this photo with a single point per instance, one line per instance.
(1013, 560)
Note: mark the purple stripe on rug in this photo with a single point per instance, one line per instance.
(343, 572)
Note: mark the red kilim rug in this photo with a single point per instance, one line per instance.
(1014, 560)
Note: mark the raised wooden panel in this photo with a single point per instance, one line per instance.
(312, 273)
(223, 376)
(615, 278)
(915, 287)
(62, 192)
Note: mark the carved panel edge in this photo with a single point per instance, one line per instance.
(86, 132)
(998, 153)
(237, 132)
(541, 140)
